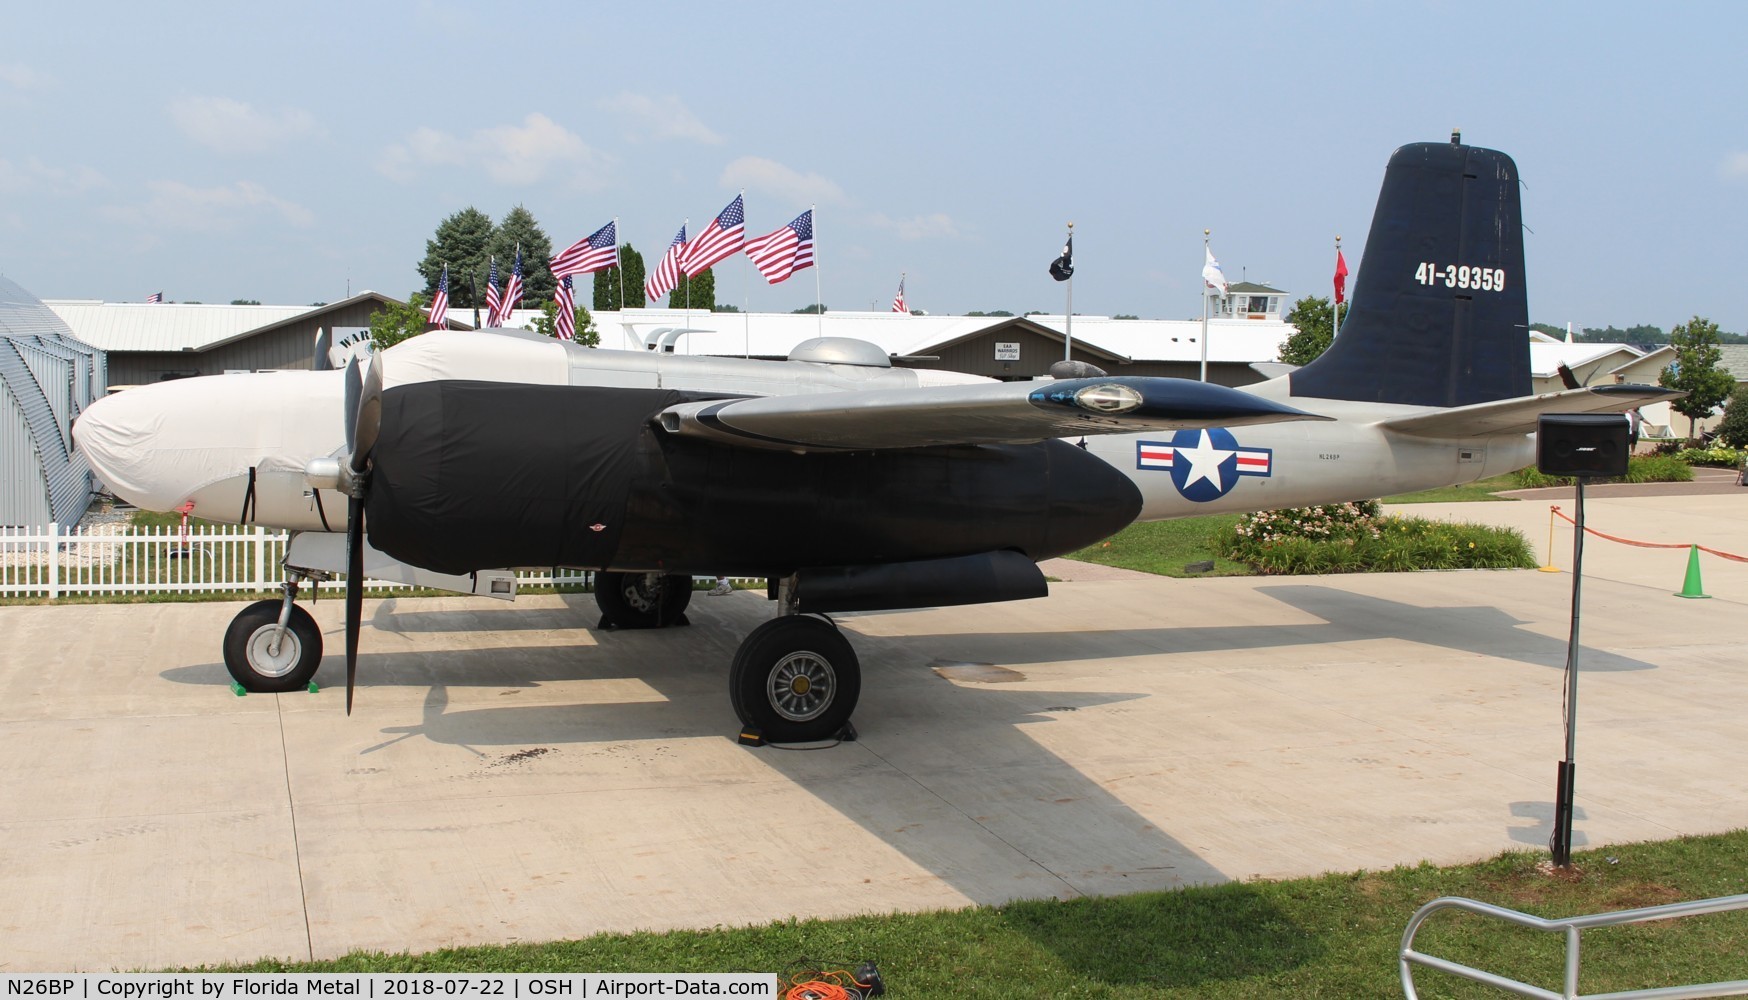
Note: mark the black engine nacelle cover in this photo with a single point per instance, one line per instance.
(482, 475)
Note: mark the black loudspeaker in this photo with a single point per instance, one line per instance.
(1582, 444)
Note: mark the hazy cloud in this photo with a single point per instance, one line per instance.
(34, 176)
(935, 226)
(770, 177)
(659, 117)
(235, 128)
(1734, 165)
(22, 77)
(510, 154)
(175, 205)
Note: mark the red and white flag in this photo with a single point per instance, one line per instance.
(666, 276)
(784, 250)
(898, 300)
(595, 252)
(1340, 278)
(564, 324)
(440, 301)
(724, 237)
(494, 302)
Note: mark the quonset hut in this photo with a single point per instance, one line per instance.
(47, 378)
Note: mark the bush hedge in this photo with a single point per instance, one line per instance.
(1356, 538)
(1640, 469)
(1719, 456)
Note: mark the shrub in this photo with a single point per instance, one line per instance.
(1640, 469)
(1718, 455)
(1353, 538)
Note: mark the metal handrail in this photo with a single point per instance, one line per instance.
(1571, 926)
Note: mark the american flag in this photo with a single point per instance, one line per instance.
(898, 300)
(494, 305)
(155, 297)
(513, 291)
(724, 237)
(782, 252)
(595, 252)
(667, 274)
(440, 301)
(565, 322)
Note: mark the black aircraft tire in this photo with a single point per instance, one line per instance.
(249, 652)
(642, 600)
(796, 679)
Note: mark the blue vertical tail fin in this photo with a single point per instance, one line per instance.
(1438, 316)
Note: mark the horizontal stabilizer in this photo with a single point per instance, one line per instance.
(1518, 416)
(981, 413)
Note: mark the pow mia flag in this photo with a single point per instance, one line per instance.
(1062, 268)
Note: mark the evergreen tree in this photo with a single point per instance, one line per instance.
(632, 262)
(1695, 370)
(520, 229)
(697, 292)
(1314, 321)
(461, 242)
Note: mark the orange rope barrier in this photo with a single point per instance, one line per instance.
(1649, 545)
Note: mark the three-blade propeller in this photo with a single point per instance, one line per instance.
(363, 410)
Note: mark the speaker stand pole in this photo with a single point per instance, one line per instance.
(1561, 843)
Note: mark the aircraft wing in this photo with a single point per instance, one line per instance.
(1518, 416)
(982, 413)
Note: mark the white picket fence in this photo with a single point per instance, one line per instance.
(114, 558)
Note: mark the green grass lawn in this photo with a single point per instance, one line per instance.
(1165, 547)
(1334, 936)
(1481, 489)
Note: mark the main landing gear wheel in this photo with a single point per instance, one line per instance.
(261, 659)
(796, 679)
(642, 600)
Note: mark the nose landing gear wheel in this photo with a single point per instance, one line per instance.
(796, 679)
(259, 663)
(642, 600)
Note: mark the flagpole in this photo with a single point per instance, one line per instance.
(818, 299)
(1205, 286)
(1337, 327)
(619, 263)
(1068, 318)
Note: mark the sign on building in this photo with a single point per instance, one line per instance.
(1007, 352)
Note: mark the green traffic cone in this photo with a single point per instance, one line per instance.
(1692, 588)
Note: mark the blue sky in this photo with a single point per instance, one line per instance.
(285, 153)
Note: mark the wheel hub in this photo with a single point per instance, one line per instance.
(802, 686)
(262, 658)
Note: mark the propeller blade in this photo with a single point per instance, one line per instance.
(368, 423)
(349, 407)
(354, 590)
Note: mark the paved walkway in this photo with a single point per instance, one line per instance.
(511, 775)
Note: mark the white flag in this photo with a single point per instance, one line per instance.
(1212, 274)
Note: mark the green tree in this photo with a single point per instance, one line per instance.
(1695, 371)
(626, 279)
(812, 310)
(520, 230)
(461, 242)
(1733, 431)
(546, 324)
(245, 302)
(632, 262)
(1314, 321)
(398, 321)
(697, 292)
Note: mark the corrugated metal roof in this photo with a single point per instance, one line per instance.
(1546, 359)
(164, 326)
(776, 334)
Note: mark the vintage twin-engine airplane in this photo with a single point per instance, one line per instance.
(847, 483)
